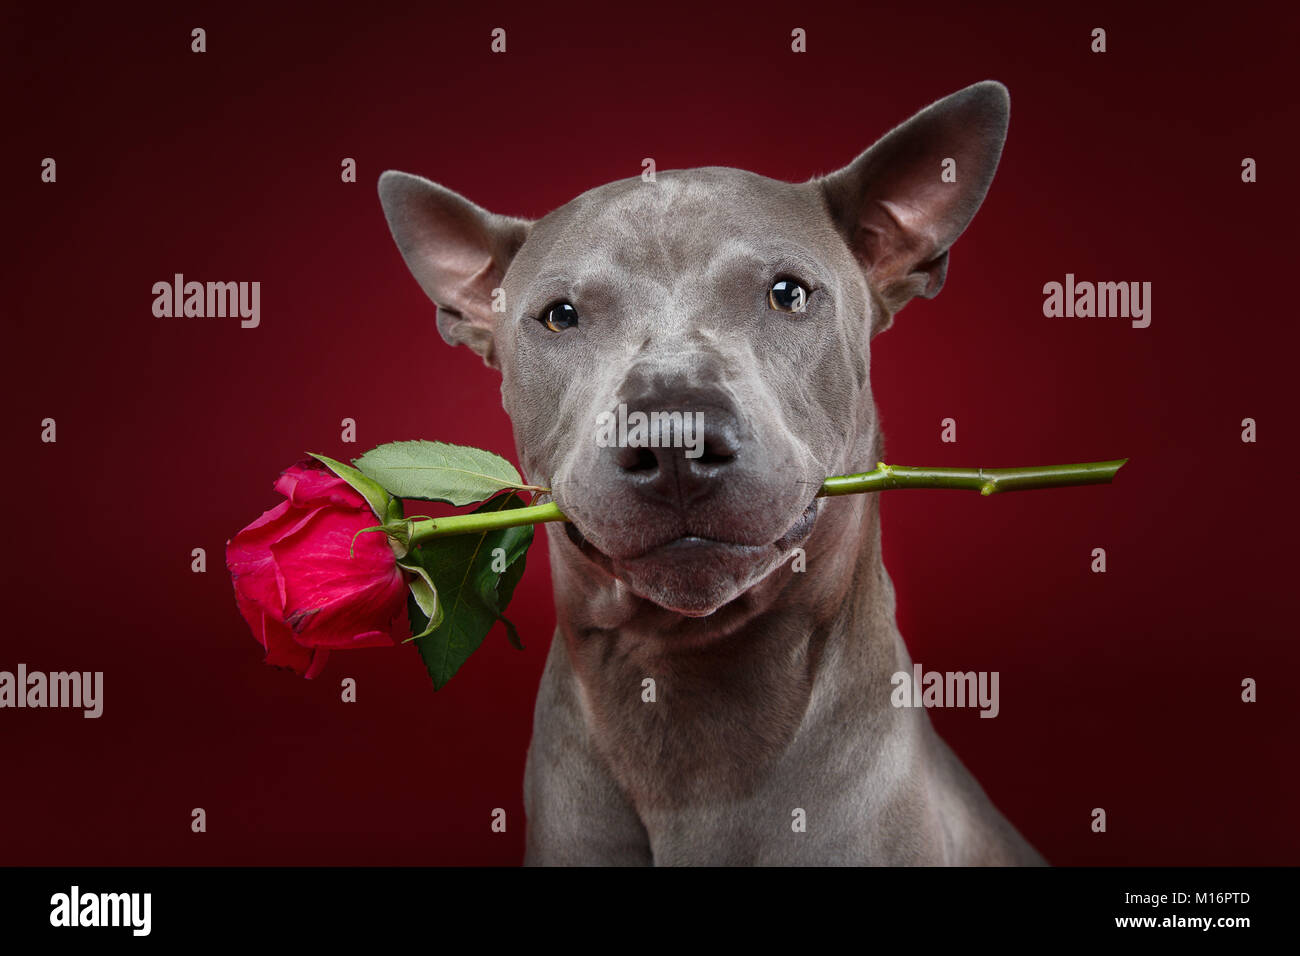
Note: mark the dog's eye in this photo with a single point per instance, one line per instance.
(786, 295)
(559, 317)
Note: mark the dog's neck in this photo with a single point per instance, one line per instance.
(731, 690)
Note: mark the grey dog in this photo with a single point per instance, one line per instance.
(718, 689)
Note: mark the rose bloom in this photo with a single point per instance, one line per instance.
(295, 584)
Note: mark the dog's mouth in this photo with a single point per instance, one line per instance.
(797, 532)
(683, 552)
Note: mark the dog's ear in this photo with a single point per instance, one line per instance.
(456, 251)
(904, 201)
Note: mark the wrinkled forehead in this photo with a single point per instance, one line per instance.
(687, 224)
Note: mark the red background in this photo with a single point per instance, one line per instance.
(1119, 690)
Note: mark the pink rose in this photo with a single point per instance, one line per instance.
(295, 584)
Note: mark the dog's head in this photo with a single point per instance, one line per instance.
(707, 297)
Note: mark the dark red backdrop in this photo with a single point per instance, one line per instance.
(1118, 690)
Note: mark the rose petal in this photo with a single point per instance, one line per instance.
(296, 520)
(332, 599)
(310, 484)
(249, 561)
(282, 650)
(318, 658)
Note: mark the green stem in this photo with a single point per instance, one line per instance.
(485, 521)
(986, 481)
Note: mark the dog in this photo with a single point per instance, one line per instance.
(705, 701)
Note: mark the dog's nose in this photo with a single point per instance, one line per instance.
(677, 452)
